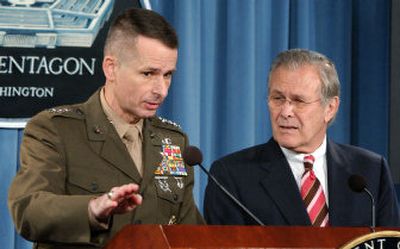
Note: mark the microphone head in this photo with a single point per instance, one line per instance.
(357, 183)
(192, 156)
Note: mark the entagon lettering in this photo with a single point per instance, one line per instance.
(49, 66)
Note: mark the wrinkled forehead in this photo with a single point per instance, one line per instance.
(303, 78)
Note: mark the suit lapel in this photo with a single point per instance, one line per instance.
(281, 186)
(339, 195)
(104, 139)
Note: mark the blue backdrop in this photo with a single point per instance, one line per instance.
(218, 94)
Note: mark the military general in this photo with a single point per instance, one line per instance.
(89, 169)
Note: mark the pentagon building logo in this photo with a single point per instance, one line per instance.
(52, 23)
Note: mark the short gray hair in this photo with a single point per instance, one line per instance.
(295, 58)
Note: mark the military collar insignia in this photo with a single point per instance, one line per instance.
(172, 161)
(166, 141)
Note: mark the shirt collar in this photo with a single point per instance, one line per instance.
(318, 154)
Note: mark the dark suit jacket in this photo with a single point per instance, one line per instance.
(73, 153)
(261, 178)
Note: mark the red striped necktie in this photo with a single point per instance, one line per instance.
(313, 195)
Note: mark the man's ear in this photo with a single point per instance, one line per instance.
(332, 108)
(109, 67)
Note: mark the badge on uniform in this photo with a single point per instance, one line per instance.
(172, 162)
(162, 182)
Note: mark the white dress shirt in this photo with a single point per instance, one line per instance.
(320, 166)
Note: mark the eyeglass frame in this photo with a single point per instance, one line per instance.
(296, 104)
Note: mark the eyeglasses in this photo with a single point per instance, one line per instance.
(297, 104)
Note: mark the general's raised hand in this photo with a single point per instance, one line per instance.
(118, 200)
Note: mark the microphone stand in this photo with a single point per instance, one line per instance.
(373, 225)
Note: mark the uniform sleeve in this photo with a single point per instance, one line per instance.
(37, 199)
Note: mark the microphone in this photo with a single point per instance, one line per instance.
(193, 156)
(358, 184)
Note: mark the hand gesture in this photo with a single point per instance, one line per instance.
(119, 200)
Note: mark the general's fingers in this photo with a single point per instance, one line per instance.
(136, 199)
(132, 200)
(122, 192)
(114, 201)
(102, 207)
(128, 204)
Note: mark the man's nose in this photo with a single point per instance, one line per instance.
(161, 86)
(287, 109)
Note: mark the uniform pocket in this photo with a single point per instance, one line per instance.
(81, 180)
(170, 188)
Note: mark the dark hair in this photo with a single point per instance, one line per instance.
(134, 22)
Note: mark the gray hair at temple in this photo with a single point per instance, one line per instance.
(295, 58)
(134, 22)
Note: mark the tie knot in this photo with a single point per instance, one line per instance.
(131, 134)
(308, 162)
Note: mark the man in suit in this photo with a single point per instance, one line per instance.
(89, 169)
(300, 177)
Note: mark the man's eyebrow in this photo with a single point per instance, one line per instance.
(154, 69)
(275, 91)
(293, 96)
